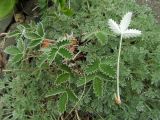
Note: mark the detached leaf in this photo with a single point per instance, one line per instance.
(98, 86)
(63, 100)
(62, 78)
(101, 38)
(65, 53)
(12, 50)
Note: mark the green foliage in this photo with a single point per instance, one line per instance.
(42, 83)
(6, 7)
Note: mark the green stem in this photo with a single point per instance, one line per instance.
(118, 62)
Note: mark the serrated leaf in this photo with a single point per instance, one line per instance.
(101, 37)
(107, 69)
(40, 29)
(63, 100)
(20, 45)
(62, 78)
(42, 59)
(55, 91)
(84, 80)
(72, 96)
(52, 55)
(31, 35)
(17, 58)
(65, 53)
(13, 34)
(98, 86)
(93, 67)
(12, 50)
(62, 43)
(35, 43)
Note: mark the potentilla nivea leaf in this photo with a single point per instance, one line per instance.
(114, 26)
(131, 33)
(125, 22)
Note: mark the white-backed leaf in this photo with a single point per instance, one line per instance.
(125, 21)
(131, 33)
(114, 26)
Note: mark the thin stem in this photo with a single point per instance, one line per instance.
(118, 62)
(78, 118)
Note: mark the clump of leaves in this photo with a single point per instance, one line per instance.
(50, 72)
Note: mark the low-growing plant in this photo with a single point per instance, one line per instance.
(66, 65)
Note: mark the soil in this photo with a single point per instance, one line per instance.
(154, 4)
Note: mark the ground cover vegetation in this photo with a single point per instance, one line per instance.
(64, 66)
